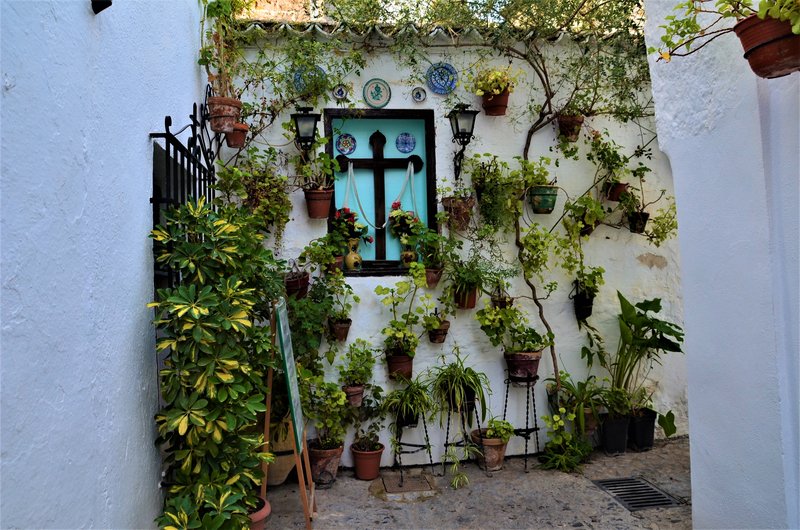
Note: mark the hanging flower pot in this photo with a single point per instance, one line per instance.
(615, 189)
(340, 328)
(543, 198)
(523, 365)
(769, 46)
(367, 464)
(569, 127)
(583, 302)
(437, 336)
(496, 104)
(223, 113)
(296, 283)
(235, 139)
(432, 277)
(459, 211)
(352, 261)
(502, 301)
(408, 256)
(400, 364)
(318, 203)
(355, 394)
(465, 298)
(637, 221)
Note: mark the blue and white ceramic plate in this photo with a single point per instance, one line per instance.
(340, 92)
(405, 142)
(418, 94)
(377, 93)
(442, 78)
(346, 144)
(306, 77)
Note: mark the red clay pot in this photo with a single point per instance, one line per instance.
(223, 113)
(465, 299)
(569, 126)
(297, 284)
(258, 519)
(400, 365)
(355, 394)
(340, 328)
(324, 464)
(495, 105)
(437, 336)
(318, 203)
(432, 277)
(235, 139)
(769, 46)
(615, 190)
(494, 450)
(367, 463)
(523, 365)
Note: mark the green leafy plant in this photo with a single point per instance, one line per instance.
(509, 327)
(497, 197)
(326, 405)
(585, 212)
(358, 364)
(220, 54)
(369, 419)
(307, 318)
(409, 402)
(436, 249)
(500, 429)
(214, 378)
(454, 385)
(580, 398)
(453, 456)
(564, 451)
(315, 170)
(494, 81)
(400, 335)
(589, 279)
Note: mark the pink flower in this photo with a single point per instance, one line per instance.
(369, 239)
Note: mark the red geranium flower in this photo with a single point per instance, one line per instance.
(396, 205)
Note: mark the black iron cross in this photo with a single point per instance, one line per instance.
(378, 165)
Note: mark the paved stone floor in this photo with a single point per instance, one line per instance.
(510, 498)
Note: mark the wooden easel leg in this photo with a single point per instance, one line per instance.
(307, 491)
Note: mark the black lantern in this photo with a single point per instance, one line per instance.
(305, 127)
(462, 123)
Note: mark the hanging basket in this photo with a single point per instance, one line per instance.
(637, 221)
(543, 198)
(223, 113)
(569, 127)
(769, 46)
(437, 336)
(459, 211)
(496, 104)
(297, 284)
(235, 139)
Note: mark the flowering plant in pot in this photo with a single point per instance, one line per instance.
(356, 370)
(400, 335)
(346, 227)
(522, 344)
(458, 387)
(492, 441)
(366, 447)
(208, 424)
(769, 31)
(494, 85)
(406, 227)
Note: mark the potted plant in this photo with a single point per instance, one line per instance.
(492, 441)
(316, 175)
(522, 344)
(457, 387)
(324, 403)
(494, 85)
(585, 212)
(435, 250)
(339, 320)
(458, 203)
(435, 321)
(769, 32)
(345, 227)
(581, 398)
(210, 435)
(406, 227)
(633, 204)
(400, 336)
(587, 284)
(614, 428)
(366, 447)
(500, 297)
(408, 403)
(570, 120)
(533, 177)
(356, 371)
(467, 278)
(564, 450)
(496, 192)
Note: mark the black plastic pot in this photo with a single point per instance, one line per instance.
(615, 434)
(407, 420)
(637, 221)
(641, 430)
(583, 301)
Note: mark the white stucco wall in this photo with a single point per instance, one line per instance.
(734, 145)
(80, 94)
(634, 267)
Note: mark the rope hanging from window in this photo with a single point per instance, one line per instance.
(351, 184)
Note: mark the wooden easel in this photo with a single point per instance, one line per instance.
(301, 461)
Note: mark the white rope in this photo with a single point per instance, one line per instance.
(351, 183)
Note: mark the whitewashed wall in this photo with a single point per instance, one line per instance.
(637, 269)
(80, 95)
(734, 143)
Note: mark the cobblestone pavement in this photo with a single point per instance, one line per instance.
(510, 498)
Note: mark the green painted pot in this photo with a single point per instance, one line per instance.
(543, 198)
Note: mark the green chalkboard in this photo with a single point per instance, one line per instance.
(290, 371)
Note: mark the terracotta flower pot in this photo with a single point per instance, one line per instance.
(337, 265)
(235, 139)
(297, 284)
(465, 298)
(223, 113)
(324, 464)
(769, 46)
(614, 190)
(494, 450)
(437, 336)
(318, 203)
(340, 328)
(569, 126)
(258, 519)
(432, 277)
(355, 394)
(543, 198)
(400, 364)
(495, 105)
(367, 463)
(459, 211)
(523, 365)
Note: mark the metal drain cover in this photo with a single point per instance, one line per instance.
(636, 494)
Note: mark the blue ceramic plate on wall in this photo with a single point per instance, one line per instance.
(346, 144)
(305, 78)
(405, 142)
(442, 78)
(419, 94)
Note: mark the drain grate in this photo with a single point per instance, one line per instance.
(636, 494)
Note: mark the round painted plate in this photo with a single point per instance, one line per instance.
(346, 144)
(442, 78)
(340, 92)
(405, 142)
(419, 94)
(303, 77)
(377, 93)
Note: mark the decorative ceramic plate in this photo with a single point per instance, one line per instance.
(377, 93)
(340, 92)
(419, 94)
(303, 77)
(442, 78)
(346, 144)
(405, 142)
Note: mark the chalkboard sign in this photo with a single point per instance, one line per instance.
(290, 370)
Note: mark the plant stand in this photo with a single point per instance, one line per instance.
(463, 419)
(530, 398)
(416, 448)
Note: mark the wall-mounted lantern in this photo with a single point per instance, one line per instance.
(305, 127)
(462, 123)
